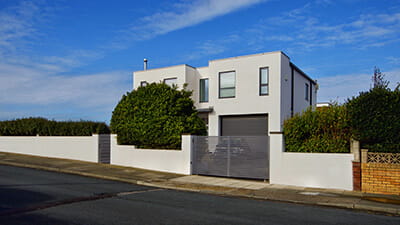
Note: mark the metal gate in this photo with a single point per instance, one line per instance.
(231, 156)
(104, 148)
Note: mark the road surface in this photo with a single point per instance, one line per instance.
(29, 196)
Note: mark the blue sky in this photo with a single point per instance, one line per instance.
(73, 59)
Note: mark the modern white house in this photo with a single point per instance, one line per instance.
(248, 95)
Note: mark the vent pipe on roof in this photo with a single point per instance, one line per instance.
(145, 64)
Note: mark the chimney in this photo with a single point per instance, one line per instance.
(145, 64)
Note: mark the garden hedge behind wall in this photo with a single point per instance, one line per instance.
(44, 127)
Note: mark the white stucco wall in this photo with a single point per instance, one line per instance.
(321, 170)
(300, 103)
(277, 104)
(171, 161)
(286, 90)
(247, 99)
(77, 148)
(159, 74)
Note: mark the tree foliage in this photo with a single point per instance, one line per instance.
(378, 79)
(43, 127)
(155, 116)
(375, 118)
(325, 130)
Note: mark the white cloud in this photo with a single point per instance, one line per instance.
(24, 85)
(341, 87)
(308, 32)
(18, 25)
(186, 14)
(394, 60)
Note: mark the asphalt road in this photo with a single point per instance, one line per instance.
(29, 196)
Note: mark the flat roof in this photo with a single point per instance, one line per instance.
(237, 57)
(302, 73)
(251, 55)
(165, 67)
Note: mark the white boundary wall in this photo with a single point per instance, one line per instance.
(321, 170)
(84, 148)
(171, 161)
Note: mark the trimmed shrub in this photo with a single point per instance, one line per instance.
(44, 127)
(375, 119)
(325, 130)
(155, 116)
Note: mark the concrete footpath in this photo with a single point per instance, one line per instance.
(387, 204)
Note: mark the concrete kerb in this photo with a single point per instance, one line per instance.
(226, 191)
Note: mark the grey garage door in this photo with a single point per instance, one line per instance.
(244, 125)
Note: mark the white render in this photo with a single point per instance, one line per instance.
(85, 148)
(171, 161)
(320, 170)
(247, 101)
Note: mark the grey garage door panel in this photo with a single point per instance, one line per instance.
(244, 125)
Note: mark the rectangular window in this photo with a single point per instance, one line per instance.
(306, 92)
(203, 90)
(227, 84)
(264, 76)
(170, 81)
(143, 83)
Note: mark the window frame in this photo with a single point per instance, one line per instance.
(260, 84)
(307, 91)
(219, 85)
(143, 83)
(206, 93)
(171, 78)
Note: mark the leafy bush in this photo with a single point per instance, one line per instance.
(44, 127)
(375, 119)
(155, 116)
(324, 130)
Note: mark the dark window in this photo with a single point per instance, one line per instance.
(264, 84)
(306, 92)
(227, 84)
(203, 90)
(170, 81)
(143, 83)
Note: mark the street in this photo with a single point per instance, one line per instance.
(29, 196)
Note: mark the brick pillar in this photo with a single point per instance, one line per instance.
(355, 149)
(356, 176)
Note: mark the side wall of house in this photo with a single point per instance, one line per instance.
(286, 89)
(300, 101)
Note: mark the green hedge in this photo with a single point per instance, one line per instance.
(44, 127)
(324, 130)
(375, 119)
(155, 116)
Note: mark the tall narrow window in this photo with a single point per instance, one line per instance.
(170, 81)
(227, 84)
(306, 92)
(264, 76)
(203, 90)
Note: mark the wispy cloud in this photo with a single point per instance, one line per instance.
(23, 85)
(341, 87)
(393, 60)
(185, 14)
(307, 32)
(17, 23)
